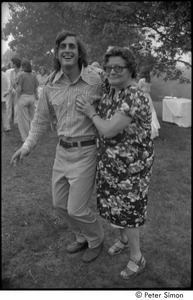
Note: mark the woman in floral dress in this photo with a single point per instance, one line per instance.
(126, 154)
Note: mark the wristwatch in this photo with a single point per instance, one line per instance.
(93, 116)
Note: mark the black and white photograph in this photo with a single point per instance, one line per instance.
(96, 147)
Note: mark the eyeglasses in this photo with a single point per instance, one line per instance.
(117, 69)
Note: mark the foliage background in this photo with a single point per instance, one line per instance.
(158, 32)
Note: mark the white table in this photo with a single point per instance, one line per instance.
(177, 110)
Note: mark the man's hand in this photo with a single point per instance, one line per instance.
(18, 156)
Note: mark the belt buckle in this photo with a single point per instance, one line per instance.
(69, 144)
(66, 144)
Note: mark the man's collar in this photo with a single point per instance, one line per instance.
(84, 74)
(58, 75)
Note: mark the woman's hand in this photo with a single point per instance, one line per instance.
(85, 107)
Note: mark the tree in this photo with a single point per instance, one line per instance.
(6, 57)
(34, 31)
(100, 24)
(166, 23)
(34, 28)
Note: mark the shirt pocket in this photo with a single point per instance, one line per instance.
(58, 100)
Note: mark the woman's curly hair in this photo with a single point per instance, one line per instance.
(126, 54)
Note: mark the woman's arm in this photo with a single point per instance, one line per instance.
(108, 128)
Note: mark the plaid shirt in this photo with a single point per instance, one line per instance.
(60, 97)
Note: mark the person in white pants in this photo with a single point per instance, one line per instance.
(12, 75)
(27, 95)
(4, 88)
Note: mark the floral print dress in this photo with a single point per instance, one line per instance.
(125, 161)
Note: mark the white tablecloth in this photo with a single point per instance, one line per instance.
(177, 110)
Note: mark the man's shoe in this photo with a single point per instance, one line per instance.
(76, 247)
(92, 253)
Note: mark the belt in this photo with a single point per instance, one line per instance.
(65, 144)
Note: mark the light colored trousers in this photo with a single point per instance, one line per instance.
(4, 114)
(12, 107)
(25, 114)
(72, 186)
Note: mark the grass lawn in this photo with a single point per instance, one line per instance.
(34, 242)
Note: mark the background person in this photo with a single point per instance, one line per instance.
(96, 67)
(123, 119)
(27, 96)
(4, 88)
(12, 75)
(9, 69)
(96, 64)
(144, 85)
(74, 167)
(42, 78)
(8, 95)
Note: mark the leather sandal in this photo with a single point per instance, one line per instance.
(133, 268)
(117, 248)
